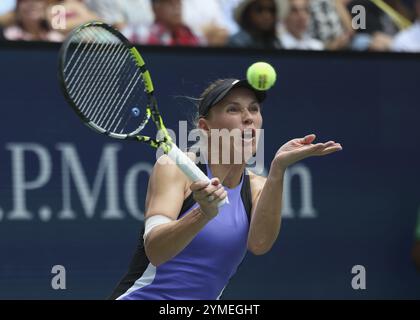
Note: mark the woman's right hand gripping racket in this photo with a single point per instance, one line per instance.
(106, 82)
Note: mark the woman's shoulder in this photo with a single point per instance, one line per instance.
(165, 169)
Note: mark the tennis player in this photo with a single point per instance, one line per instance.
(190, 247)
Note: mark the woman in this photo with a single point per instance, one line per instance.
(74, 14)
(191, 246)
(257, 20)
(31, 23)
(168, 27)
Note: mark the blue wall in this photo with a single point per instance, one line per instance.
(365, 198)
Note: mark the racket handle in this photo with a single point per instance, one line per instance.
(189, 168)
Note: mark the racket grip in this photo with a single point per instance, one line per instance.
(189, 168)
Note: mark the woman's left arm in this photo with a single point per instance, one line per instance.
(266, 213)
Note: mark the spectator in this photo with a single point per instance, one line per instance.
(206, 19)
(76, 14)
(123, 13)
(30, 23)
(330, 23)
(409, 40)
(294, 29)
(168, 28)
(380, 27)
(257, 20)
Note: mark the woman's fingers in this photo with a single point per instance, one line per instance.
(198, 185)
(316, 147)
(308, 139)
(222, 196)
(217, 195)
(208, 195)
(201, 185)
(330, 149)
(324, 145)
(208, 191)
(329, 144)
(321, 149)
(215, 181)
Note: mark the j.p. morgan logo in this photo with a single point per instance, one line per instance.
(57, 182)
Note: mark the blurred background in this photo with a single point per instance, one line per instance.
(363, 25)
(347, 71)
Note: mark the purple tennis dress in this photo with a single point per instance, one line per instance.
(203, 269)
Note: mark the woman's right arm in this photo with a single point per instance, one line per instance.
(165, 195)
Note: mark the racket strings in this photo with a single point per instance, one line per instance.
(114, 65)
(103, 80)
(124, 96)
(80, 64)
(93, 75)
(108, 89)
(95, 72)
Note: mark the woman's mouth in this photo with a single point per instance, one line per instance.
(71, 14)
(248, 135)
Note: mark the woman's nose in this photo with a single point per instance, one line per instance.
(247, 117)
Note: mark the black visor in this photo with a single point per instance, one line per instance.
(221, 90)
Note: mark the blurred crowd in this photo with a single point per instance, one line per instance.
(364, 25)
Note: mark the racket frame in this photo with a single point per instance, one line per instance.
(189, 168)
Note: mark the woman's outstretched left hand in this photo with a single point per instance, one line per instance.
(301, 148)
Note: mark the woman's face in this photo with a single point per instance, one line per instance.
(262, 14)
(237, 116)
(169, 12)
(76, 13)
(299, 17)
(30, 11)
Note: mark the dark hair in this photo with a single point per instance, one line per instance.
(206, 91)
(245, 21)
(43, 23)
(218, 90)
(197, 116)
(209, 89)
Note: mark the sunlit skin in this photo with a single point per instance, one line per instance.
(168, 186)
(297, 21)
(239, 113)
(240, 110)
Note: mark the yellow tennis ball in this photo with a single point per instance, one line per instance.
(261, 76)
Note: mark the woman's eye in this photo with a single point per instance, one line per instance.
(254, 108)
(232, 109)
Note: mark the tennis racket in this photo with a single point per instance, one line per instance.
(106, 82)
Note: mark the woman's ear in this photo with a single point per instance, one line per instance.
(203, 125)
